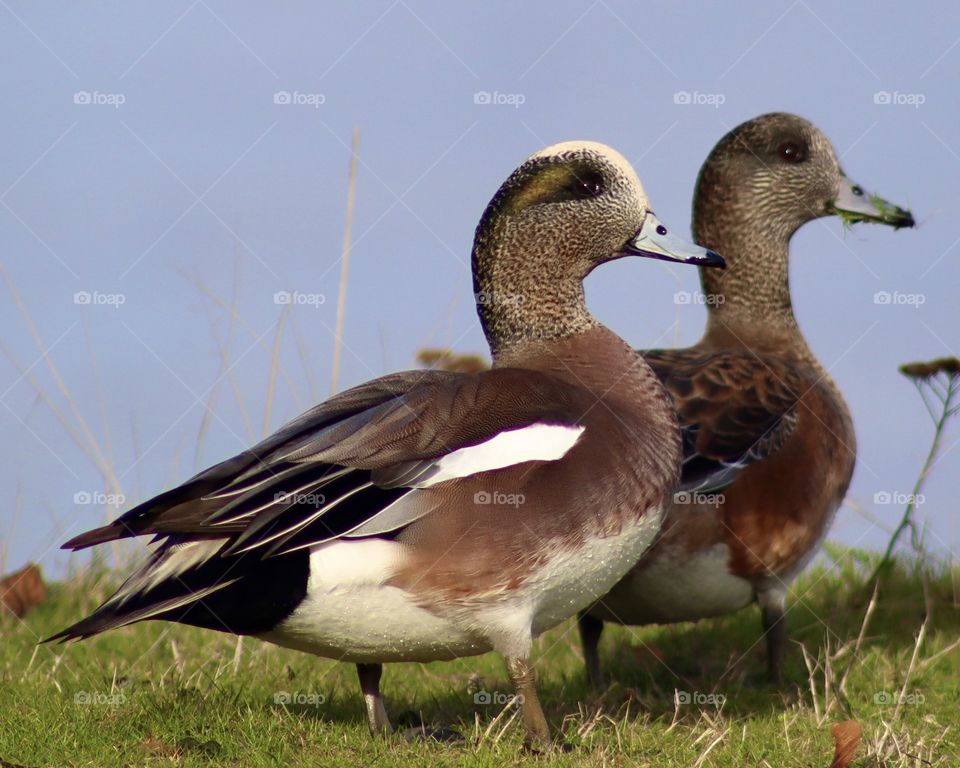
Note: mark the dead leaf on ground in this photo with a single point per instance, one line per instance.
(160, 748)
(846, 738)
(22, 590)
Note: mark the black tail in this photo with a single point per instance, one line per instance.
(242, 595)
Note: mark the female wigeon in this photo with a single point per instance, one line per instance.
(768, 442)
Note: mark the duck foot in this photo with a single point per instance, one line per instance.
(524, 679)
(590, 631)
(773, 616)
(377, 719)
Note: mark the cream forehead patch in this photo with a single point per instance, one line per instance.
(609, 154)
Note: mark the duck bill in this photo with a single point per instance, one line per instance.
(853, 204)
(655, 241)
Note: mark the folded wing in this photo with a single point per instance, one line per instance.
(734, 409)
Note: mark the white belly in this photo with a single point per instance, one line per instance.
(677, 587)
(351, 613)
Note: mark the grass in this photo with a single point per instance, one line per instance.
(158, 694)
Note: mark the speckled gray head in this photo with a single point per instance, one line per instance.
(783, 168)
(565, 210)
(760, 183)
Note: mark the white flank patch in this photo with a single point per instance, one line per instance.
(351, 613)
(538, 442)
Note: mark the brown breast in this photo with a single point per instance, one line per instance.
(624, 463)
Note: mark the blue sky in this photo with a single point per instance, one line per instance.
(162, 159)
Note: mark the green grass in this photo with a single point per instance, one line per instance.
(156, 694)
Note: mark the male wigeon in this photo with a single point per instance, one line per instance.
(768, 442)
(429, 515)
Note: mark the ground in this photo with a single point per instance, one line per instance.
(685, 695)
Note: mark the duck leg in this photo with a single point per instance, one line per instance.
(377, 719)
(773, 615)
(524, 681)
(590, 630)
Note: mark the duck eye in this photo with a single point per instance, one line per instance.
(661, 230)
(791, 152)
(590, 187)
(857, 190)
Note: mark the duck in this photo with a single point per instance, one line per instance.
(431, 515)
(768, 441)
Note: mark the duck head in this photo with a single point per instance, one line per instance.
(564, 211)
(783, 168)
(762, 181)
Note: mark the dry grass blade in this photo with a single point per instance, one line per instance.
(93, 449)
(344, 266)
(709, 748)
(225, 370)
(868, 614)
(274, 367)
(258, 338)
